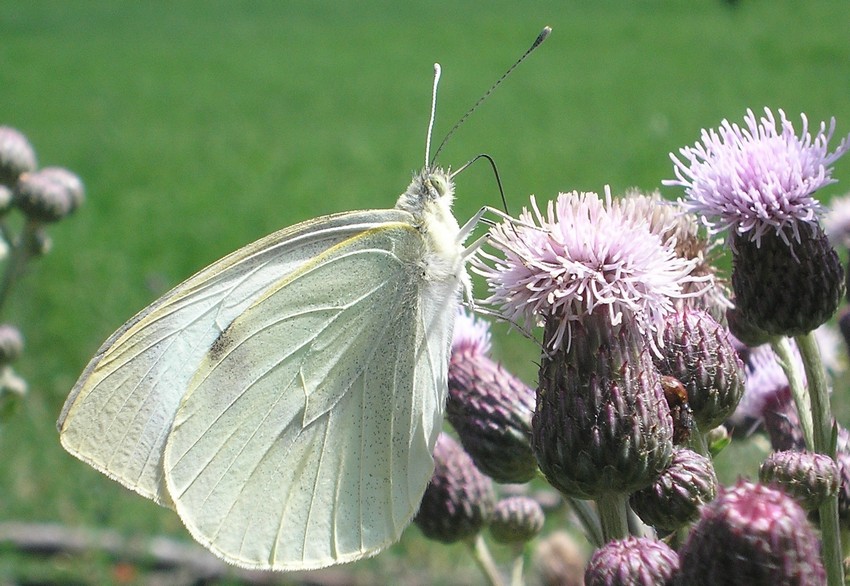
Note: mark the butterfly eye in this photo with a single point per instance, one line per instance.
(439, 185)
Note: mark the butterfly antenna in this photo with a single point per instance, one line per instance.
(537, 42)
(495, 173)
(437, 71)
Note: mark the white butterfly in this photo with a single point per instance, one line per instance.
(285, 400)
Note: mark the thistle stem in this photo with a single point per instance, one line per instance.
(823, 443)
(516, 570)
(19, 253)
(782, 348)
(612, 515)
(481, 555)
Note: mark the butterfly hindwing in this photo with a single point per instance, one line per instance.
(120, 412)
(305, 436)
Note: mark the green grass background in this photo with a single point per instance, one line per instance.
(200, 126)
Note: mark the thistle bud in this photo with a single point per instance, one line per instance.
(751, 534)
(70, 181)
(787, 290)
(43, 198)
(601, 424)
(16, 155)
(699, 353)
(488, 407)
(633, 561)
(675, 498)
(808, 477)
(516, 519)
(11, 344)
(459, 500)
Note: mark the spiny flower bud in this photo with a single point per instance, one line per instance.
(633, 561)
(787, 289)
(16, 155)
(601, 424)
(43, 198)
(489, 408)
(516, 519)
(698, 352)
(11, 344)
(459, 500)
(70, 181)
(751, 534)
(808, 477)
(675, 498)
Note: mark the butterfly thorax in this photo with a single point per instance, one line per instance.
(429, 199)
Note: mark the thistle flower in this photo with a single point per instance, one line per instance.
(17, 155)
(675, 498)
(589, 256)
(516, 519)
(758, 183)
(681, 230)
(488, 407)
(699, 353)
(633, 561)
(808, 477)
(459, 500)
(751, 534)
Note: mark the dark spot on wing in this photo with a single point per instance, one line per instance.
(221, 345)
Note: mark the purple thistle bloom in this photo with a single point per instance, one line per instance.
(751, 534)
(753, 180)
(590, 256)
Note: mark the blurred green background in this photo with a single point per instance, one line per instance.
(200, 126)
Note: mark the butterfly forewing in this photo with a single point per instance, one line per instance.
(304, 438)
(120, 412)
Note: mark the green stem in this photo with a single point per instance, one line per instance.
(19, 253)
(588, 518)
(782, 348)
(612, 515)
(516, 570)
(823, 424)
(481, 554)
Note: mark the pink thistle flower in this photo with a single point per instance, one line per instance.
(756, 179)
(589, 256)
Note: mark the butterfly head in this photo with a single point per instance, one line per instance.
(431, 193)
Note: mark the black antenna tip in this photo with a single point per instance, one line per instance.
(542, 36)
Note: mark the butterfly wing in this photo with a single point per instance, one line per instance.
(120, 412)
(305, 437)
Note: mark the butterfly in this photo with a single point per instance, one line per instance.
(285, 401)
